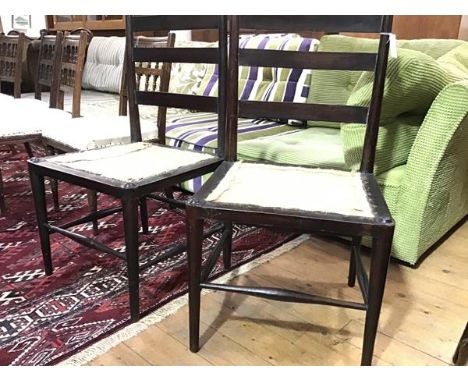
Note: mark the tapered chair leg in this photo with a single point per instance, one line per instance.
(92, 205)
(130, 217)
(144, 215)
(53, 182)
(227, 246)
(2, 196)
(381, 247)
(194, 254)
(168, 193)
(355, 248)
(38, 191)
(28, 149)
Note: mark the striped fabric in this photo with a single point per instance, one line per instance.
(264, 83)
(198, 132)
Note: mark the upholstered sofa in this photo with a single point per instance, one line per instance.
(423, 141)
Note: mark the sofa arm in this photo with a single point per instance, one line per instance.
(434, 191)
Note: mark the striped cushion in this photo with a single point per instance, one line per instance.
(104, 64)
(198, 131)
(264, 83)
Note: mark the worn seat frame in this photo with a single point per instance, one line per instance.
(380, 227)
(131, 194)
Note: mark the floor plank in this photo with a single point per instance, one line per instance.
(423, 315)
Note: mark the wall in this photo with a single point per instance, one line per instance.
(37, 23)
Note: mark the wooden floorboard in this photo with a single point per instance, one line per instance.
(424, 313)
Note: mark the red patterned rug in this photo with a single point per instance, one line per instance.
(44, 320)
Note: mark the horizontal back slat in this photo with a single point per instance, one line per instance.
(184, 55)
(316, 112)
(180, 101)
(163, 23)
(307, 60)
(335, 23)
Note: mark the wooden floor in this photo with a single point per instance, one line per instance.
(424, 313)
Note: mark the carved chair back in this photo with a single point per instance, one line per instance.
(71, 69)
(12, 48)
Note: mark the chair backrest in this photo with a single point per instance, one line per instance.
(71, 69)
(12, 48)
(149, 75)
(376, 62)
(48, 66)
(135, 24)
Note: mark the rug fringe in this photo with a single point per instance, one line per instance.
(103, 346)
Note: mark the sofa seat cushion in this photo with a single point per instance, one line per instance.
(318, 147)
(199, 131)
(94, 132)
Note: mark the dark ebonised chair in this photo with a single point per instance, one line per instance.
(133, 171)
(335, 202)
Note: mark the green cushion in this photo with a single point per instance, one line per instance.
(456, 61)
(335, 87)
(390, 182)
(413, 81)
(319, 147)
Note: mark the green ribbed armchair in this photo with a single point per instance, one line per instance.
(422, 153)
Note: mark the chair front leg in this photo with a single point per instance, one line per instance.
(28, 149)
(38, 191)
(194, 255)
(227, 245)
(53, 182)
(130, 217)
(355, 248)
(144, 215)
(2, 197)
(381, 248)
(92, 205)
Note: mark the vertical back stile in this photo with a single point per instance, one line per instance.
(135, 130)
(232, 102)
(373, 119)
(222, 86)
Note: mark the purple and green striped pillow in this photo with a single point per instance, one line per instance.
(264, 83)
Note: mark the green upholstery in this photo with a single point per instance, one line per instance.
(310, 147)
(434, 190)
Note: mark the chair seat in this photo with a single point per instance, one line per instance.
(94, 132)
(129, 163)
(293, 188)
(22, 123)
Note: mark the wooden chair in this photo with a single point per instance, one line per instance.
(130, 172)
(334, 202)
(23, 118)
(110, 130)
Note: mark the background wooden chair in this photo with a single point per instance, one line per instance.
(132, 171)
(12, 49)
(326, 201)
(23, 119)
